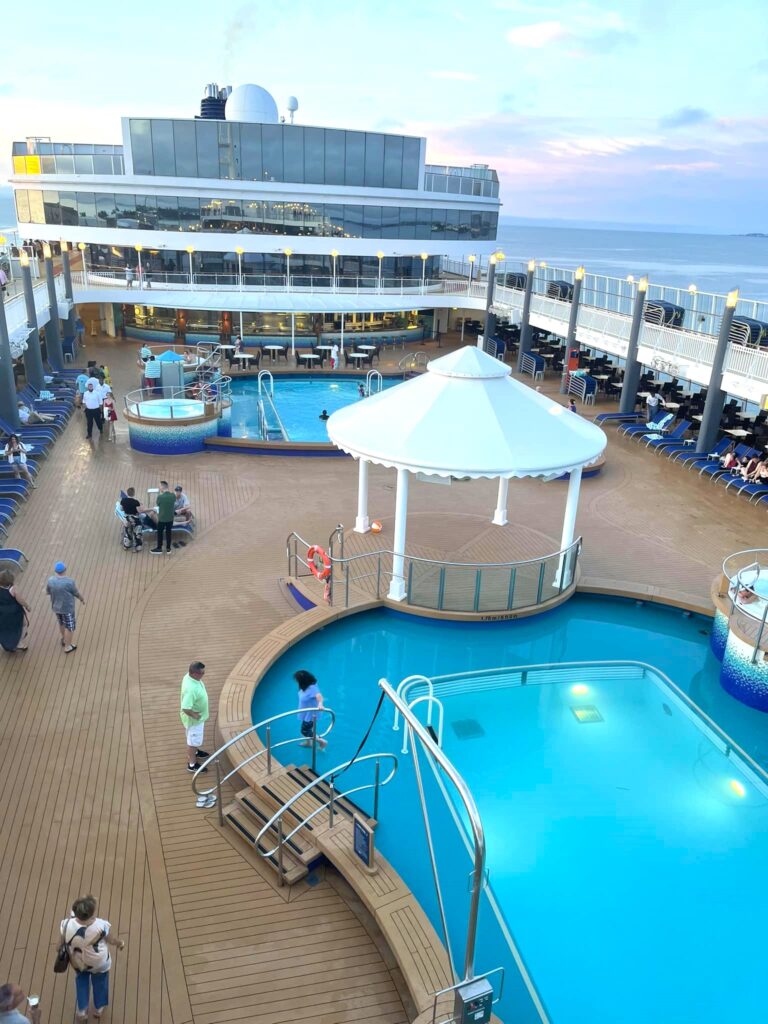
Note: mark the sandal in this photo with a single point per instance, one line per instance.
(72, 647)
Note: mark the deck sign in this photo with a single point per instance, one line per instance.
(363, 842)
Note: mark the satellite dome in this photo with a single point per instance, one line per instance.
(251, 103)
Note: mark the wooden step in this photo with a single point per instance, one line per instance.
(300, 845)
(303, 775)
(241, 821)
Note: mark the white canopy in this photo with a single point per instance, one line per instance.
(467, 417)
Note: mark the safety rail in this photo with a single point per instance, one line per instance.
(267, 407)
(213, 395)
(414, 361)
(463, 587)
(266, 751)
(370, 377)
(266, 375)
(749, 605)
(328, 777)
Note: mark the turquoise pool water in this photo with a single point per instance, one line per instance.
(625, 866)
(299, 401)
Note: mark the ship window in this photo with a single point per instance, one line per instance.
(371, 222)
(411, 160)
(185, 148)
(22, 206)
(272, 151)
(334, 156)
(390, 222)
(65, 165)
(354, 159)
(52, 208)
(141, 146)
(353, 221)
(207, 149)
(293, 153)
(393, 161)
(314, 156)
(374, 160)
(36, 208)
(250, 151)
(162, 148)
(83, 165)
(105, 209)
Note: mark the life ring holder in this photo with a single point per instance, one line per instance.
(322, 571)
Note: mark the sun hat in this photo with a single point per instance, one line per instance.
(59, 567)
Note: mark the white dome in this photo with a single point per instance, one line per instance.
(251, 103)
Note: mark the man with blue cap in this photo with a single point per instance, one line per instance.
(63, 591)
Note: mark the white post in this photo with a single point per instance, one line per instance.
(342, 333)
(293, 333)
(569, 525)
(240, 276)
(500, 515)
(397, 586)
(241, 329)
(141, 283)
(362, 523)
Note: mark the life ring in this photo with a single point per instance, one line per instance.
(376, 526)
(319, 572)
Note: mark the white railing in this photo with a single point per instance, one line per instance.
(16, 309)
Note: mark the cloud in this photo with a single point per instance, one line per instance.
(685, 117)
(538, 35)
(596, 145)
(761, 66)
(454, 76)
(5, 88)
(695, 167)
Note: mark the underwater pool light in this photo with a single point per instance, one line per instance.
(737, 787)
(579, 689)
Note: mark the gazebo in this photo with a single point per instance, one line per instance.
(465, 417)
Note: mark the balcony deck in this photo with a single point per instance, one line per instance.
(95, 795)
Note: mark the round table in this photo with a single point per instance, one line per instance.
(367, 348)
(309, 358)
(357, 356)
(273, 350)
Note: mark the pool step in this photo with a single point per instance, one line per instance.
(241, 820)
(300, 846)
(303, 775)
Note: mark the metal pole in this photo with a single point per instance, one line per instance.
(570, 338)
(52, 331)
(478, 873)
(633, 367)
(330, 803)
(8, 398)
(489, 327)
(314, 744)
(526, 334)
(713, 406)
(218, 791)
(376, 791)
(281, 879)
(269, 750)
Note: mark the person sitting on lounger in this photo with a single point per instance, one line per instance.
(131, 505)
(182, 508)
(748, 467)
(27, 415)
(729, 459)
(747, 596)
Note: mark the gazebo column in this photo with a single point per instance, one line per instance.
(397, 586)
(362, 523)
(500, 515)
(563, 577)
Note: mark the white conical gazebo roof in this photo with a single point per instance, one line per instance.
(466, 416)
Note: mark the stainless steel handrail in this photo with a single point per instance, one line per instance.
(264, 397)
(218, 398)
(473, 815)
(266, 751)
(329, 803)
(729, 571)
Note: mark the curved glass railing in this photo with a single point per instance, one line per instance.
(747, 575)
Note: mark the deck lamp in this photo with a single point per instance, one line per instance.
(543, 265)
(471, 261)
(64, 246)
(424, 258)
(732, 298)
(46, 250)
(190, 251)
(288, 253)
(239, 251)
(579, 275)
(334, 255)
(81, 247)
(692, 289)
(23, 257)
(499, 256)
(531, 266)
(642, 284)
(631, 278)
(138, 249)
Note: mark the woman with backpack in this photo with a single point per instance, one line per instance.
(87, 939)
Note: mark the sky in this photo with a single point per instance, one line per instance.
(653, 112)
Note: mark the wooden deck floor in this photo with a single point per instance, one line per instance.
(95, 796)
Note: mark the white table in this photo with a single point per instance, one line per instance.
(674, 406)
(697, 418)
(242, 356)
(736, 432)
(367, 348)
(273, 350)
(357, 356)
(324, 348)
(309, 358)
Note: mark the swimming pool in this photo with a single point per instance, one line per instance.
(299, 402)
(625, 865)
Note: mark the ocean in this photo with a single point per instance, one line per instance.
(714, 263)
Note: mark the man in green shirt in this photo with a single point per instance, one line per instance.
(166, 503)
(194, 713)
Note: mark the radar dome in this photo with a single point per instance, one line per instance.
(251, 103)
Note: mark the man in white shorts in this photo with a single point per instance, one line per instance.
(194, 713)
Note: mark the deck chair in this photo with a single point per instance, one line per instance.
(13, 555)
(685, 455)
(661, 441)
(657, 425)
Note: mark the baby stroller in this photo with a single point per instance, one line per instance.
(132, 533)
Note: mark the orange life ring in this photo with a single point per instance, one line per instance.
(319, 572)
(376, 526)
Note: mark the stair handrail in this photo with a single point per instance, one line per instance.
(266, 751)
(263, 375)
(402, 691)
(276, 821)
(370, 377)
(431, 701)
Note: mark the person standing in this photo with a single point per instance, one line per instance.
(334, 356)
(128, 276)
(88, 939)
(92, 402)
(110, 412)
(80, 332)
(14, 612)
(652, 404)
(152, 371)
(310, 702)
(63, 592)
(166, 507)
(194, 713)
(11, 998)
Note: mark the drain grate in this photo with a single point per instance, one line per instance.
(468, 729)
(587, 713)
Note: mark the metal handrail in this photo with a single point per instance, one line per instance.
(402, 690)
(264, 396)
(264, 375)
(266, 750)
(730, 572)
(431, 701)
(328, 804)
(370, 377)
(207, 396)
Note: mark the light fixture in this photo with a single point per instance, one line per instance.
(190, 249)
(23, 257)
(531, 266)
(737, 788)
(471, 258)
(138, 248)
(631, 278)
(579, 275)
(492, 260)
(81, 246)
(379, 255)
(499, 256)
(46, 250)
(288, 252)
(579, 689)
(425, 256)
(543, 264)
(642, 284)
(692, 289)
(64, 245)
(334, 253)
(732, 298)
(239, 250)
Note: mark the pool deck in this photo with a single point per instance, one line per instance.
(95, 795)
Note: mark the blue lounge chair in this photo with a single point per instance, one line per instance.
(619, 417)
(713, 469)
(13, 555)
(685, 455)
(660, 442)
(752, 492)
(14, 489)
(660, 424)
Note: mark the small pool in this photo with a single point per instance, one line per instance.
(168, 409)
(299, 402)
(625, 865)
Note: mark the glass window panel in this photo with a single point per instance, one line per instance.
(125, 208)
(207, 149)
(487, 188)
(82, 147)
(465, 224)
(293, 153)
(353, 221)
(229, 149)
(118, 165)
(423, 223)
(63, 147)
(250, 152)
(438, 224)
(167, 213)
(211, 213)
(51, 205)
(141, 146)
(477, 188)
(48, 164)
(334, 156)
(185, 148)
(407, 226)
(374, 160)
(102, 165)
(162, 147)
(189, 214)
(411, 161)
(36, 208)
(439, 183)
(354, 159)
(314, 156)
(253, 215)
(43, 148)
(452, 225)
(146, 210)
(106, 210)
(273, 218)
(466, 186)
(371, 222)
(65, 165)
(334, 215)
(393, 161)
(390, 222)
(272, 151)
(475, 223)
(494, 225)
(454, 184)
(68, 204)
(22, 206)
(83, 165)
